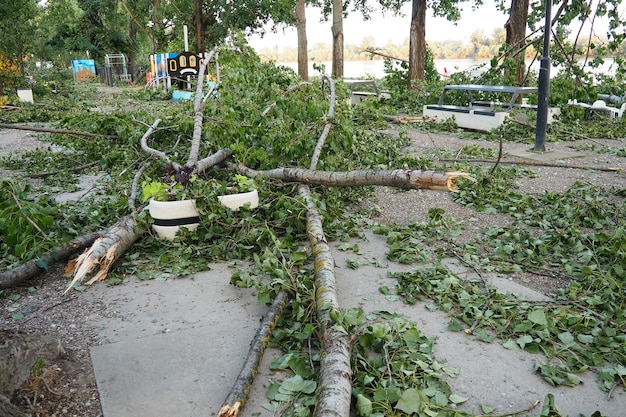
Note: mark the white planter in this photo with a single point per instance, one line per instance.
(25, 95)
(236, 201)
(169, 216)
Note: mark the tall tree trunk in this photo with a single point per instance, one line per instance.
(337, 30)
(303, 54)
(132, 56)
(417, 42)
(198, 22)
(516, 33)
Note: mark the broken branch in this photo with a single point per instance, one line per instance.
(104, 252)
(59, 131)
(401, 178)
(32, 268)
(238, 393)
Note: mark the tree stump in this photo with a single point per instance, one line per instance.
(19, 354)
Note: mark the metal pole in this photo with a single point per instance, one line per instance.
(544, 84)
(186, 36)
(154, 55)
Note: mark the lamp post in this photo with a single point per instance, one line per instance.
(153, 60)
(151, 24)
(544, 84)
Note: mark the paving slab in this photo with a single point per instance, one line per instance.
(175, 348)
(546, 156)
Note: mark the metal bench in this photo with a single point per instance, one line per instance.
(475, 118)
(358, 96)
(479, 114)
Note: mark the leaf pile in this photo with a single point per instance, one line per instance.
(578, 234)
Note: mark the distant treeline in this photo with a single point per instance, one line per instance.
(477, 46)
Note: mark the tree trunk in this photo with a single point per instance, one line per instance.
(401, 178)
(30, 269)
(303, 54)
(104, 252)
(337, 30)
(417, 42)
(335, 377)
(516, 33)
(198, 23)
(132, 56)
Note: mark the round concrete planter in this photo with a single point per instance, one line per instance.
(169, 216)
(236, 201)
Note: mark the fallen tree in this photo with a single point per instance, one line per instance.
(335, 374)
(334, 388)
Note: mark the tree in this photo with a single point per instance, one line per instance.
(214, 19)
(417, 48)
(102, 29)
(417, 42)
(337, 30)
(57, 30)
(303, 64)
(17, 25)
(516, 33)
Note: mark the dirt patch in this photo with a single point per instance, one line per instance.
(64, 385)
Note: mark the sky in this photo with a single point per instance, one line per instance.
(389, 28)
(394, 29)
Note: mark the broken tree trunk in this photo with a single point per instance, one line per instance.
(336, 354)
(401, 178)
(239, 392)
(34, 267)
(104, 252)
(335, 378)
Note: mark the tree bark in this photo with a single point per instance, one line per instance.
(417, 42)
(337, 30)
(198, 24)
(303, 54)
(30, 269)
(516, 33)
(335, 378)
(401, 178)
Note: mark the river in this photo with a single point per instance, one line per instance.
(375, 68)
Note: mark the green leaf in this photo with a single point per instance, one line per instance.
(573, 379)
(538, 317)
(487, 408)
(410, 401)
(412, 337)
(43, 264)
(457, 399)
(483, 335)
(455, 326)
(585, 338)
(567, 338)
(363, 405)
(297, 384)
(524, 340)
(511, 345)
